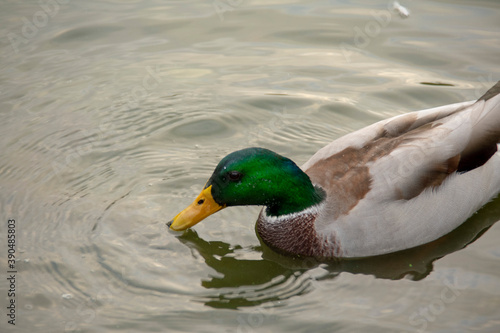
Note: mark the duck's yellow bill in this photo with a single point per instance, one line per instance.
(203, 206)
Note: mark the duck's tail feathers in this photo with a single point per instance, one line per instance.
(492, 92)
(485, 135)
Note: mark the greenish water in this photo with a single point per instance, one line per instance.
(114, 114)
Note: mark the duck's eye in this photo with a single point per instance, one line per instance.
(234, 175)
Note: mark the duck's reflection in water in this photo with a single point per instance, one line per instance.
(274, 277)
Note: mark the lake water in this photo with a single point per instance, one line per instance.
(114, 114)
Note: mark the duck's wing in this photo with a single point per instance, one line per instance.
(390, 170)
(425, 156)
(414, 150)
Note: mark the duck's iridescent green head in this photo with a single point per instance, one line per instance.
(252, 176)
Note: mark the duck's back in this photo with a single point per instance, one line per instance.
(408, 180)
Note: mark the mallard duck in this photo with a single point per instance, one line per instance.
(399, 183)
